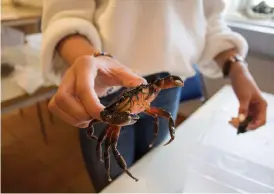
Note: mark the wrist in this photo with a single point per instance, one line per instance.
(81, 48)
(238, 69)
(233, 64)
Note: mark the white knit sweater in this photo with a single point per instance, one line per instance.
(149, 36)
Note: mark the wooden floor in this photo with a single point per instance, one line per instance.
(30, 165)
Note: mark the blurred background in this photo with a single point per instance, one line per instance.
(39, 152)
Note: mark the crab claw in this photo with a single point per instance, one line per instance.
(169, 82)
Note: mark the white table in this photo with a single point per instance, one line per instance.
(208, 156)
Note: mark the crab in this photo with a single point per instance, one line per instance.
(124, 111)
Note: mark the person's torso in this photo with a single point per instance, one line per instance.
(153, 35)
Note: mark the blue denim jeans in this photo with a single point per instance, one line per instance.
(134, 140)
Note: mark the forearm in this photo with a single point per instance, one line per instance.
(223, 56)
(73, 47)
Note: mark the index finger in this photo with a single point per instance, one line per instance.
(128, 78)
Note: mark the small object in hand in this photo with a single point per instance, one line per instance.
(242, 128)
(124, 111)
(6, 69)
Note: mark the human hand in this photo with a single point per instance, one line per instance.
(250, 99)
(76, 100)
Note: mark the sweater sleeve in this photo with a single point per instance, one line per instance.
(62, 18)
(219, 37)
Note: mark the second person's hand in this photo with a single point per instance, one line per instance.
(76, 100)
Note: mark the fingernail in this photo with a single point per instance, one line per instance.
(143, 80)
(241, 117)
(139, 82)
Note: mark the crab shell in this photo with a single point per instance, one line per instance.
(124, 111)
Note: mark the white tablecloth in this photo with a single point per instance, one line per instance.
(208, 156)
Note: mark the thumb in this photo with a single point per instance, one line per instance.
(243, 110)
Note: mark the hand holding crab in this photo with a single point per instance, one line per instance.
(125, 111)
(76, 101)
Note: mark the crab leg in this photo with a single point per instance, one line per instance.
(156, 127)
(106, 152)
(167, 115)
(90, 129)
(119, 158)
(101, 138)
